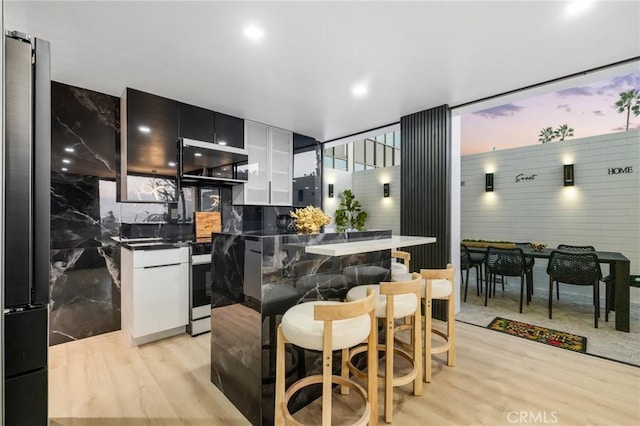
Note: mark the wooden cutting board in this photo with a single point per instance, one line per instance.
(206, 223)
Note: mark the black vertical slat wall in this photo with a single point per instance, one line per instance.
(426, 184)
(425, 197)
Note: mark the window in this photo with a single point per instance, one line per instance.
(380, 151)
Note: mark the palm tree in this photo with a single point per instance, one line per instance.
(564, 131)
(636, 108)
(547, 135)
(629, 100)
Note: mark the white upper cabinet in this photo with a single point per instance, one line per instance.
(270, 166)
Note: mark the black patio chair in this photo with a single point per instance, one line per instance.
(531, 261)
(578, 268)
(608, 280)
(470, 260)
(509, 263)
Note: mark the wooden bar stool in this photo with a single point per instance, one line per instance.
(439, 284)
(403, 267)
(396, 300)
(328, 326)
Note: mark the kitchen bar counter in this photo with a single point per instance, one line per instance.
(256, 277)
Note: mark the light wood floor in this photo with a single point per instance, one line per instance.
(497, 379)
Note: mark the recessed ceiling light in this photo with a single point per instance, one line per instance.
(253, 33)
(64, 169)
(359, 90)
(171, 163)
(197, 154)
(576, 7)
(65, 161)
(144, 129)
(69, 149)
(222, 142)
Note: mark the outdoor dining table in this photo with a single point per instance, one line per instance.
(619, 268)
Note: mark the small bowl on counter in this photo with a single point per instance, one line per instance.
(538, 246)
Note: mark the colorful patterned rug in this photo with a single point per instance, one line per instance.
(536, 333)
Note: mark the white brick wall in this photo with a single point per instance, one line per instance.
(382, 213)
(341, 181)
(601, 210)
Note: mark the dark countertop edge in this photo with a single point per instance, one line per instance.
(159, 245)
(153, 246)
(271, 234)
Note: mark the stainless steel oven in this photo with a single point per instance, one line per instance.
(200, 289)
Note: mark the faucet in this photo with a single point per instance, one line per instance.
(135, 218)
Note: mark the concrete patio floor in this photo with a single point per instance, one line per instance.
(573, 313)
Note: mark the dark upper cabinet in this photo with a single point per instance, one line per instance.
(229, 130)
(152, 125)
(196, 123)
(209, 126)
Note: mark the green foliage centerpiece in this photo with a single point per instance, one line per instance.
(349, 215)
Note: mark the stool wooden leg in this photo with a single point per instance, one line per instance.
(417, 350)
(451, 331)
(344, 371)
(427, 341)
(372, 370)
(280, 379)
(326, 374)
(388, 370)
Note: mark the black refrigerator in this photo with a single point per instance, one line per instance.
(27, 170)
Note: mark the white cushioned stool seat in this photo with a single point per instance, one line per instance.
(402, 278)
(403, 304)
(440, 288)
(398, 268)
(299, 328)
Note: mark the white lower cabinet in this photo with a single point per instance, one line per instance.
(155, 293)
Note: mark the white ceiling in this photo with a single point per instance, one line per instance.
(413, 55)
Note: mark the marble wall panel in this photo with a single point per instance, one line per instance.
(85, 272)
(85, 293)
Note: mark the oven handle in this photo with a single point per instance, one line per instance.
(200, 259)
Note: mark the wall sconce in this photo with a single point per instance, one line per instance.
(385, 190)
(488, 182)
(568, 175)
(330, 190)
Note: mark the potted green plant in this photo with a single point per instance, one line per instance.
(350, 214)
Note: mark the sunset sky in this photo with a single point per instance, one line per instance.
(588, 109)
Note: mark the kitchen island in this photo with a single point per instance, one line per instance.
(257, 276)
